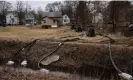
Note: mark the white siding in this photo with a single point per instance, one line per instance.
(11, 19)
(98, 18)
(65, 20)
(48, 21)
(29, 19)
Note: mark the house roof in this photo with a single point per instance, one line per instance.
(52, 18)
(12, 12)
(29, 14)
(52, 14)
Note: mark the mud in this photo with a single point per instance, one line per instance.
(85, 59)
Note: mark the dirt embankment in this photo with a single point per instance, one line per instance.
(73, 56)
(8, 73)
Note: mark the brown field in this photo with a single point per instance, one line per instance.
(23, 33)
(77, 55)
(91, 60)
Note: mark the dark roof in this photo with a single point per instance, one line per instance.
(52, 14)
(53, 18)
(29, 13)
(14, 12)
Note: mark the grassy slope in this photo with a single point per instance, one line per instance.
(23, 33)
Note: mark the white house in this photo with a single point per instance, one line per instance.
(30, 19)
(98, 18)
(52, 19)
(47, 21)
(12, 19)
(65, 19)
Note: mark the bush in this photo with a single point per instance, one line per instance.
(73, 26)
(90, 32)
(46, 26)
(127, 32)
(78, 29)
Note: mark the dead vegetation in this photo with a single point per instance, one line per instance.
(26, 34)
(7, 73)
(77, 55)
(72, 54)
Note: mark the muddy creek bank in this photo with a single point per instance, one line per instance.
(86, 59)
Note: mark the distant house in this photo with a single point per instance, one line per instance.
(49, 22)
(98, 18)
(52, 19)
(65, 19)
(12, 19)
(30, 19)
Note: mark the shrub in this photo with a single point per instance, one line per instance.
(46, 26)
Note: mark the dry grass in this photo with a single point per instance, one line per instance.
(24, 33)
(75, 55)
(7, 73)
(10, 73)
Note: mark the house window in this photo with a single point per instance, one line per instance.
(65, 21)
(65, 16)
(44, 21)
(53, 21)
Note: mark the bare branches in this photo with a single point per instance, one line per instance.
(4, 7)
(118, 11)
(20, 11)
(39, 14)
(55, 6)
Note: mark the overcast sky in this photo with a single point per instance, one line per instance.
(38, 3)
(33, 4)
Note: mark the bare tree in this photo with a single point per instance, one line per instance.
(52, 7)
(105, 12)
(39, 14)
(82, 14)
(119, 12)
(4, 8)
(20, 11)
(66, 7)
(69, 7)
(27, 7)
